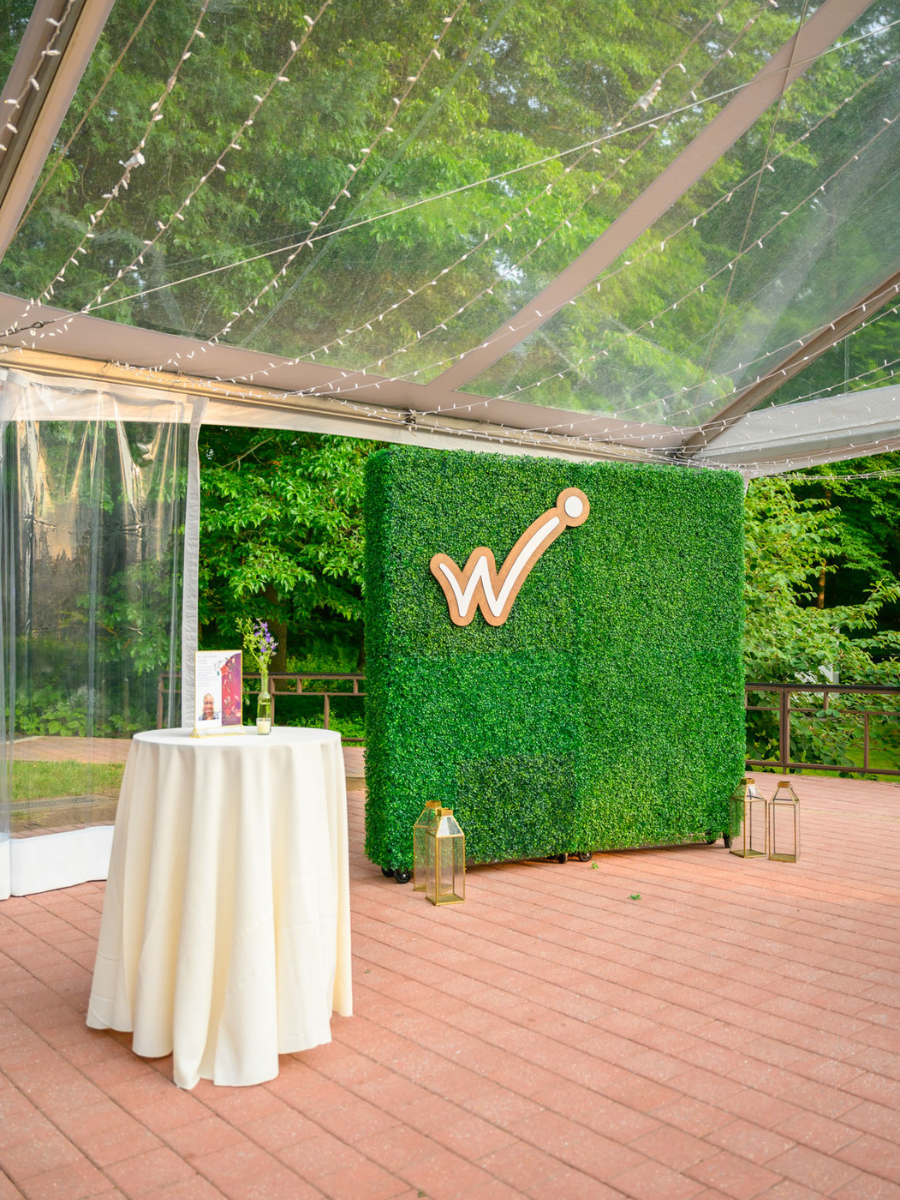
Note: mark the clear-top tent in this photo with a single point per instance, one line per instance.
(572, 227)
(663, 231)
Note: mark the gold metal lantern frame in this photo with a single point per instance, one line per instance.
(752, 810)
(428, 817)
(784, 823)
(443, 859)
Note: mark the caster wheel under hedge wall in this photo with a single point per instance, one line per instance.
(403, 876)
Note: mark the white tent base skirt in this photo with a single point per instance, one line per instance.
(57, 860)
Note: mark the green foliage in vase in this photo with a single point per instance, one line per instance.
(607, 710)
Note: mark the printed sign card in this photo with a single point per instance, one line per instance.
(217, 692)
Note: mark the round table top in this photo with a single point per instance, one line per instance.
(281, 735)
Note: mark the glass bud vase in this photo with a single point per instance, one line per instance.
(264, 704)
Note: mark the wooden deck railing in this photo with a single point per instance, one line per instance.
(336, 685)
(287, 683)
(786, 709)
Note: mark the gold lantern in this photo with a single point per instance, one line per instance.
(443, 862)
(784, 823)
(428, 816)
(752, 813)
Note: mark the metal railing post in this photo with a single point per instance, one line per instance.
(784, 729)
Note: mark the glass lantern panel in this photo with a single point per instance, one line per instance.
(784, 827)
(428, 816)
(445, 860)
(755, 825)
(749, 822)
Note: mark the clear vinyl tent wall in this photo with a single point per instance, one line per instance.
(92, 518)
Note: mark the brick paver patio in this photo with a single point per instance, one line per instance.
(731, 1033)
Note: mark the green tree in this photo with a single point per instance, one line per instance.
(281, 539)
(789, 638)
(792, 541)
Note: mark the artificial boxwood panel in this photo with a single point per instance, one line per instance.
(607, 711)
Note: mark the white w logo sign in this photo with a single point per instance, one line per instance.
(478, 584)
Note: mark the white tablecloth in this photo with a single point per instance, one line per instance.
(225, 937)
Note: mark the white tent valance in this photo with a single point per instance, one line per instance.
(788, 437)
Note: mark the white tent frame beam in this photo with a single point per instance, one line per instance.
(273, 409)
(41, 114)
(322, 397)
(92, 347)
(787, 437)
(813, 38)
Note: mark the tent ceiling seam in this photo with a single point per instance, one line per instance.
(752, 396)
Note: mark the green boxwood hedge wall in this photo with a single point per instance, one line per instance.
(607, 711)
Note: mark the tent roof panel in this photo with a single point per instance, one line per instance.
(278, 201)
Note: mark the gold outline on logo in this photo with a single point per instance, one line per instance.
(479, 585)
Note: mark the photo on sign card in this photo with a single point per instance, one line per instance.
(217, 692)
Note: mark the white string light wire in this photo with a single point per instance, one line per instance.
(509, 220)
(476, 432)
(87, 112)
(525, 209)
(136, 159)
(588, 444)
(321, 236)
(718, 425)
(233, 144)
(178, 214)
(649, 323)
(323, 389)
(412, 293)
(725, 198)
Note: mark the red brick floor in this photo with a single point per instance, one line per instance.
(732, 1033)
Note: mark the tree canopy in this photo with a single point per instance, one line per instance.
(535, 123)
(282, 540)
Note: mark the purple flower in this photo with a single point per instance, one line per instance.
(258, 642)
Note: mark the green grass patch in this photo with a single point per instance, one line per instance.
(37, 780)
